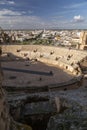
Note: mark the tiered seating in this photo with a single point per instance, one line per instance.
(66, 58)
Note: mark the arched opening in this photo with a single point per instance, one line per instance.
(65, 89)
(37, 122)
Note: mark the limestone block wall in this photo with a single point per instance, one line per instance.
(65, 58)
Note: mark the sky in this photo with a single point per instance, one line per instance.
(43, 14)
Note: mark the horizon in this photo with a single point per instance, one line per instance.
(37, 29)
(40, 14)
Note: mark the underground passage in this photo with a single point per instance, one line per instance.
(37, 122)
(35, 112)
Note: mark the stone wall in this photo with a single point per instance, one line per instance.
(6, 122)
(83, 41)
(65, 58)
(4, 111)
(72, 110)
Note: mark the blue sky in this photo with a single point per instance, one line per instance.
(33, 14)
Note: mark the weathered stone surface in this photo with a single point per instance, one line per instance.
(83, 41)
(61, 53)
(6, 123)
(68, 121)
(18, 126)
(69, 108)
(74, 111)
(4, 111)
(39, 108)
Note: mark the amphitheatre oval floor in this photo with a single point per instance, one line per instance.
(32, 73)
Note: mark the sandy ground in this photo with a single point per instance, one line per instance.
(40, 74)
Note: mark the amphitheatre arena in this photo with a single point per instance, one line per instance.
(36, 76)
(41, 67)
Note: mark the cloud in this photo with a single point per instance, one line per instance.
(21, 22)
(76, 5)
(31, 22)
(5, 2)
(5, 12)
(11, 2)
(30, 12)
(36, 22)
(78, 18)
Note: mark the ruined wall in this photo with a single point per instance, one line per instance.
(66, 59)
(6, 122)
(4, 116)
(83, 41)
(74, 116)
